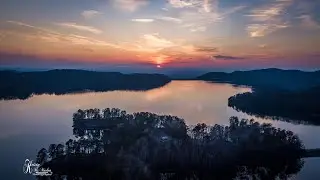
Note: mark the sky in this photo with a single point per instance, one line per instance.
(160, 34)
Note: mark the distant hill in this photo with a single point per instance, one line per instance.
(289, 95)
(21, 85)
(267, 78)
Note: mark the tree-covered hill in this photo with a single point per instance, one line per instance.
(22, 85)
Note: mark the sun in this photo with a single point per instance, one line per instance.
(159, 60)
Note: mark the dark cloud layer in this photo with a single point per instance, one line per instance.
(226, 57)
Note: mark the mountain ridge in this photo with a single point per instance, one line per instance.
(265, 78)
(22, 85)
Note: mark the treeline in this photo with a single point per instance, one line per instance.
(288, 95)
(267, 78)
(298, 106)
(22, 85)
(150, 146)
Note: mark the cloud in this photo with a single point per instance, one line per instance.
(197, 15)
(206, 49)
(308, 22)
(234, 10)
(2, 36)
(181, 3)
(268, 18)
(165, 9)
(170, 19)
(207, 5)
(159, 59)
(222, 57)
(80, 27)
(266, 13)
(263, 46)
(90, 13)
(130, 5)
(198, 29)
(83, 40)
(203, 13)
(50, 36)
(72, 39)
(142, 20)
(151, 43)
(21, 24)
(201, 5)
(154, 41)
(260, 30)
(198, 21)
(31, 26)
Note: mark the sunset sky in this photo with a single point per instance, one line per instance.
(160, 34)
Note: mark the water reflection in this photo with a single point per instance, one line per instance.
(28, 125)
(195, 101)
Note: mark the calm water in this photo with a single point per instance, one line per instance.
(28, 125)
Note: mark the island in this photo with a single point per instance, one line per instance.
(112, 144)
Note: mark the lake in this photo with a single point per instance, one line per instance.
(28, 125)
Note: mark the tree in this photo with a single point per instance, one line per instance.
(52, 150)
(106, 113)
(69, 146)
(96, 114)
(80, 114)
(42, 156)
